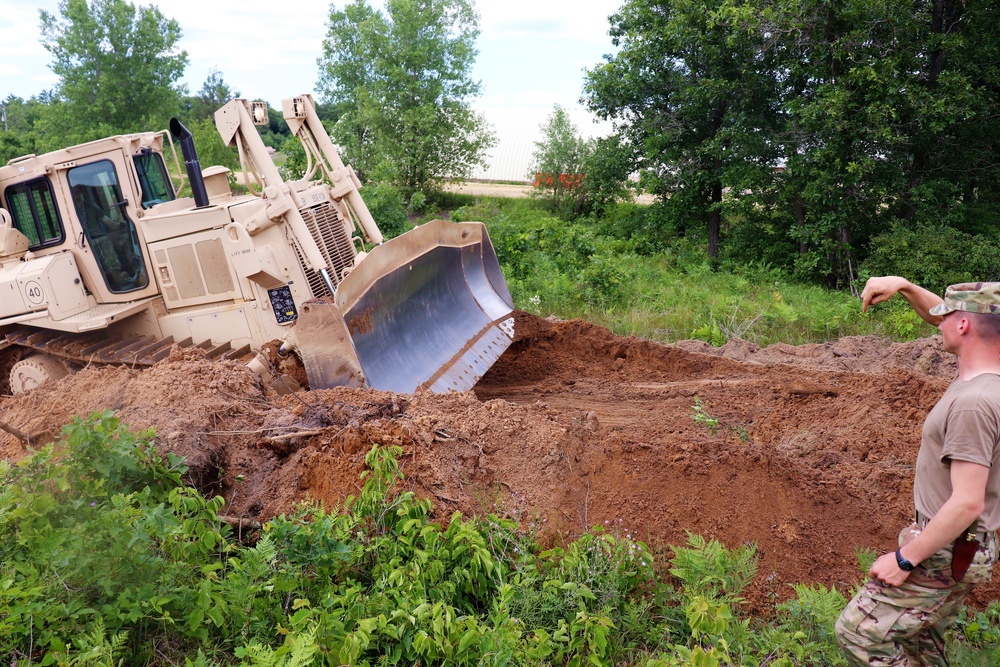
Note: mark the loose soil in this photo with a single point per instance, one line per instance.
(807, 451)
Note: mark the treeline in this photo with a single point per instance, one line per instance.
(118, 66)
(394, 90)
(813, 135)
(828, 139)
(31, 126)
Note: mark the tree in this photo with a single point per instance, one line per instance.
(347, 79)
(558, 161)
(118, 67)
(829, 124)
(689, 93)
(889, 119)
(214, 93)
(211, 150)
(400, 82)
(17, 132)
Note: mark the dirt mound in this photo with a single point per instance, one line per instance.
(851, 353)
(807, 451)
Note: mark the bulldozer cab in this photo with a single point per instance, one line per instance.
(154, 181)
(111, 234)
(35, 214)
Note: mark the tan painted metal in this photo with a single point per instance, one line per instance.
(35, 371)
(99, 240)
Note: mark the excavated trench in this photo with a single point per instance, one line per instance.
(807, 451)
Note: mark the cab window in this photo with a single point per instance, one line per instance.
(154, 181)
(33, 208)
(100, 207)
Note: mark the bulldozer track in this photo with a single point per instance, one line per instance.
(98, 348)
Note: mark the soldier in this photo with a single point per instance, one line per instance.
(109, 237)
(900, 615)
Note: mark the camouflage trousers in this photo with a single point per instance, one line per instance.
(904, 626)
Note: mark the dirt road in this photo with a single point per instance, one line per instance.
(806, 451)
(483, 189)
(490, 189)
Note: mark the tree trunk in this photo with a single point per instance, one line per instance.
(799, 210)
(945, 14)
(715, 213)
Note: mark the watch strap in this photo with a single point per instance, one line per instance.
(903, 564)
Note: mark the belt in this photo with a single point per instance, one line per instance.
(972, 532)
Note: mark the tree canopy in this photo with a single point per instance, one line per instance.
(684, 91)
(557, 164)
(829, 124)
(18, 135)
(118, 67)
(212, 95)
(400, 81)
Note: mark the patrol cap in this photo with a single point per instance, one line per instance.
(971, 298)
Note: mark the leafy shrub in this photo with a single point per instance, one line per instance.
(607, 168)
(418, 203)
(761, 237)
(646, 228)
(563, 264)
(977, 637)
(102, 534)
(211, 150)
(387, 206)
(934, 256)
(805, 625)
(107, 558)
(708, 569)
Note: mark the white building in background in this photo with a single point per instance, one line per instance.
(510, 158)
(517, 131)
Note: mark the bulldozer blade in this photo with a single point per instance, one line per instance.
(325, 347)
(429, 309)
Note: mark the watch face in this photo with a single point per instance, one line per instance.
(903, 564)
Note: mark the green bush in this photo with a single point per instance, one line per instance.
(107, 558)
(211, 150)
(647, 228)
(760, 237)
(805, 624)
(934, 256)
(558, 264)
(708, 569)
(388, 208)
(102, 534)
(629, 275)
(293, 167)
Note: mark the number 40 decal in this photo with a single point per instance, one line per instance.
(33, 292)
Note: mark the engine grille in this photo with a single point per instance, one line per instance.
(334, 241)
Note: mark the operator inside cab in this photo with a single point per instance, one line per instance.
(112, 241)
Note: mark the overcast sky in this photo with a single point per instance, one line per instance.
(532, 54)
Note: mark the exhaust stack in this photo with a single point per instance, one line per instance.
(186, 139)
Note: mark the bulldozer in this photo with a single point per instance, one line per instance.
(107, 256)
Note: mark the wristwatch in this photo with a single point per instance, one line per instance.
(903, 564)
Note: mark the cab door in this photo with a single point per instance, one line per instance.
(109, 234)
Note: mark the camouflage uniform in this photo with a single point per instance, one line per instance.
(904, 626)
(970, 298)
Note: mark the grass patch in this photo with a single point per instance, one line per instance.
(666, 291)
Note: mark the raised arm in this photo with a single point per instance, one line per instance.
(884, 288)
